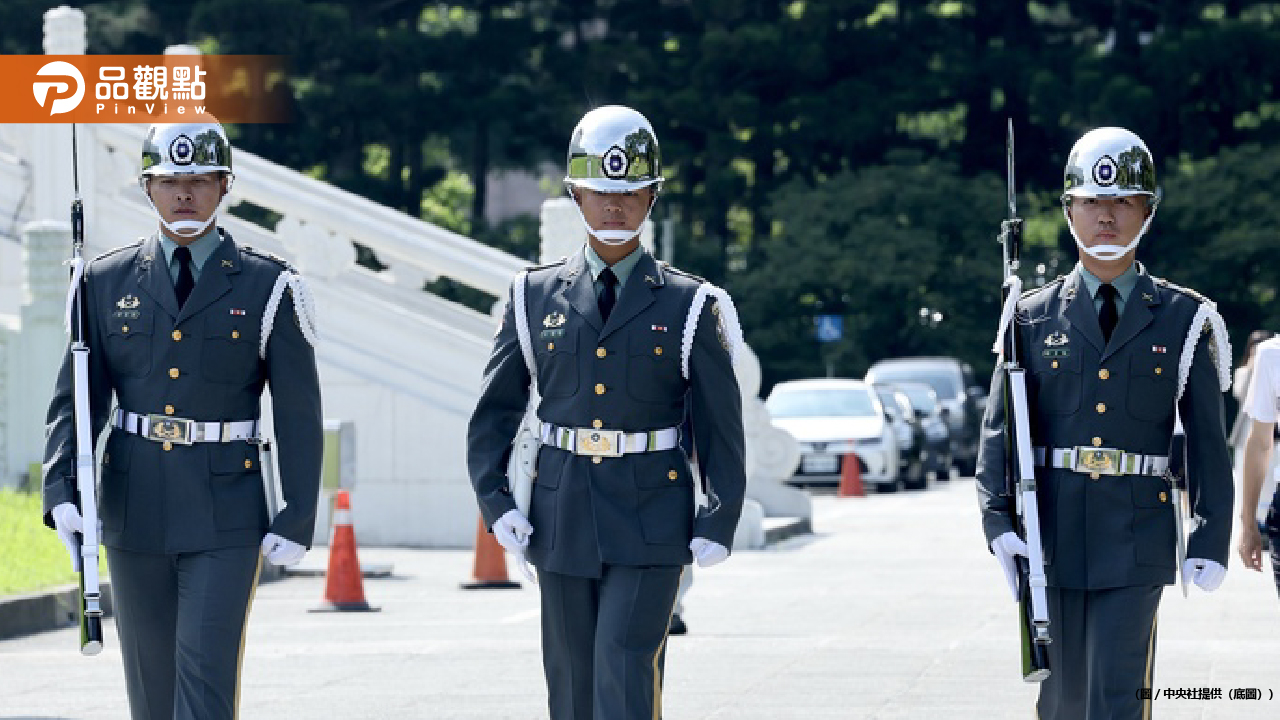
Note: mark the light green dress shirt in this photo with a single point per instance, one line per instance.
(1124, 285)
(622, 269)
(201, 250)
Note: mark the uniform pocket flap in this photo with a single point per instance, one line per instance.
(119, 451)
(232, 458)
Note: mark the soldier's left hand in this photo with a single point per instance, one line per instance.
(708, 552)
(1206, 574)
(281, 551)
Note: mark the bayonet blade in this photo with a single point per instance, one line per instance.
(1013, 200)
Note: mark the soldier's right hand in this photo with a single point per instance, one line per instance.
(512, 531)
(1006, 549)
(67, 521)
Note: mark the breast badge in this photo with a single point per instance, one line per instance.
(128, 302)
(1055, 345)
(553, 320)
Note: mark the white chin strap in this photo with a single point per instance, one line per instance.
(1108, 252)
(614, 237)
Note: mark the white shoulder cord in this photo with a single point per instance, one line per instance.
(522, 325)
(304, 306)
(1206, 319)
(728, 318)
(77, 272)
(1010, 307)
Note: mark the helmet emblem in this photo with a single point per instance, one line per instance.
(1104, 171)
(182, 150)
(615, 163)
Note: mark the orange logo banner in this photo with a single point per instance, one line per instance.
(143, 88)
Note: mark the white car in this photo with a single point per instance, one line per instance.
(830, 418)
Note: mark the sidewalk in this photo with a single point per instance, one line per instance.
(892, 610)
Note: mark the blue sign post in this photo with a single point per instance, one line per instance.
(828, 328)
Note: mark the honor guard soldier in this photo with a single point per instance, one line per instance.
(186, 328)
(1113, 355)
(618, 345)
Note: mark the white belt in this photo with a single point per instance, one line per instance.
(163, 428)
(608, 443)
(1103, 461)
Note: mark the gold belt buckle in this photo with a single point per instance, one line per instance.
(599, 443)
(163, 428)
(1104, 461)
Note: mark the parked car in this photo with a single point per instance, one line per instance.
(832, 418)
(952, 379)
(910, 435)
(933, 420)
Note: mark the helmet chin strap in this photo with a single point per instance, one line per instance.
(613, 237)
(1108, 252)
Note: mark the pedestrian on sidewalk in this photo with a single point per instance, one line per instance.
(1261, 405)
(618, 345)
(185, 328)
(1112, 354)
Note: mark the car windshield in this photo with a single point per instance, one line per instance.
(826, 402)
(942, 383)
(921, 398)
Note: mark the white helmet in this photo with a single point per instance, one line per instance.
(185, 149)
(1109, 162)
(613, 149)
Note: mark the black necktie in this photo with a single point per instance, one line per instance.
(609, 296)
(186, 281)
(1107, 314)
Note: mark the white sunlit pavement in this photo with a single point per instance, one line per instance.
(893, 609)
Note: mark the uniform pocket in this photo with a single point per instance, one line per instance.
(557, 363)
(1057, 383)
(230, 348)
(1154, 531)
(653, 367)
(235, 480)
(1152, 384)
(129, 345)
(116, 459)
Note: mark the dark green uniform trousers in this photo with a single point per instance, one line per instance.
(604, 641)
(1102, 655)
(181, 620)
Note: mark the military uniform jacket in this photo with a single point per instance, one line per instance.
(201, 363)
(1117, 530)
(625, 374)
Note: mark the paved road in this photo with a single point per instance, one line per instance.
(892, 610)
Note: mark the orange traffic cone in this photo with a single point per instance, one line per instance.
(343, 588)
(850, 477)
(490, 570)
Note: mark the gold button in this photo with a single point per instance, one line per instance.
(601, 352)
(1097, 442)
(173, 373)
(1164, 497)
(168, 446)
(248, 464)
(1104, 373)
(1055, 364)
(235, 334)
(672, 475)
(551, 346)
(124, 329)
(177, 335)
(657, 351)
(596, 460)
(1094, 476)
(168, 409)
(599, 388)
(597, 424)
(1102, 407)
(1159, 370)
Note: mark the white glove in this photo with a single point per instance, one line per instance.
(513, 531)
(281, 551)
(67, 521)
(708, 552)
(1006, 548)
(1207, 574)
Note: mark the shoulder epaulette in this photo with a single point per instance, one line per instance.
(120, 249)
(1178, 288)
(668, 267)
(548, 265)
(266, 256)
(1047, 286)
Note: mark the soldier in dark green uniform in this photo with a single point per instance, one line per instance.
(185, 329)
(618, 345)
(1113, 355)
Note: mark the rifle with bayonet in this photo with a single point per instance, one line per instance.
(1019, 470)
(90, 604)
